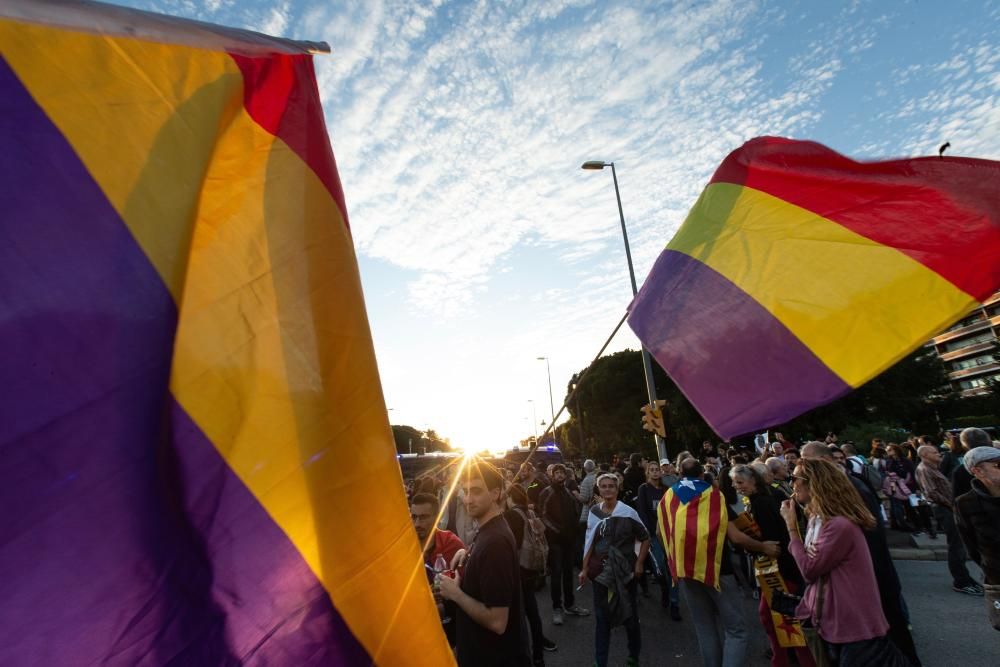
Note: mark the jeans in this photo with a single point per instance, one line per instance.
(899, 510)
(531, 612)
(602, 634)
(718, 621)
(960, 577)
(561, 571)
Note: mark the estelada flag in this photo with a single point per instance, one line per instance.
(801, 274)
(692, 516)
(196, 462)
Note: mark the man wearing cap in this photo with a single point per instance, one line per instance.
(977, 514)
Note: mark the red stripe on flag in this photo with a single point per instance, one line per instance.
(691, 537)
(280, 94)
(942, 212)
(714, 518)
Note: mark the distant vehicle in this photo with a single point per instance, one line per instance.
(415, 465)
(540, 457)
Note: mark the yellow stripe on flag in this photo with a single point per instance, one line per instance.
(701, 563)
(273, 356)
(816, 276)
(680, 536)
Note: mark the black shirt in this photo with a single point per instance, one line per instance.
(961, 481)
(492, 576)
(766, 510)
(726, 567)
(649, 499)
(621, 532)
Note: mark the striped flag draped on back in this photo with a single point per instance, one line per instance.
(693, 519)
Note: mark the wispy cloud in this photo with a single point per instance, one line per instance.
(457, 149)
(459, 129)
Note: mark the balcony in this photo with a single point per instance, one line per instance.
(993, 299)
(967, 351)
(966, 373)
(975, 327)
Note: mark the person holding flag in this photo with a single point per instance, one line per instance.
(694, 523)
(762, 520)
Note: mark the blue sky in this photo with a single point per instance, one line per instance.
(459, 129)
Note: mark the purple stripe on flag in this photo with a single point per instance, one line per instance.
(124, 536)
(737, 364)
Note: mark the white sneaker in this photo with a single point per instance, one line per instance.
(557, 617)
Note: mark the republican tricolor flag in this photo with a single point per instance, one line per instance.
(801, 274)
(196, 462)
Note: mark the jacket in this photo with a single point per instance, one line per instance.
(977, 515)
(559, 511)
(615, 576)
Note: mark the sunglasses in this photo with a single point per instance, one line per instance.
(800, 478)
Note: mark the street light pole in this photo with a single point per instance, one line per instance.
(534, 420)
(647, 364)
(552, 407)
(579, 415)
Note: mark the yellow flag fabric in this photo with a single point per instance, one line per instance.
(197, 458)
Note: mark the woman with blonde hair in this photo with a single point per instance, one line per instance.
(841, 600)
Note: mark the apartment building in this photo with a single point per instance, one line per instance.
(968, 347)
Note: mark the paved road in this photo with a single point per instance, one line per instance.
(949, 628)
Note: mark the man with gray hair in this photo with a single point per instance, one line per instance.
(937, 490)
(977, 514)
(779, 476)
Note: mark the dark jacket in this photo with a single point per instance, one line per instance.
(977, 515)
(559, 511)
(766, 511)
(635, 476)
(615, 576)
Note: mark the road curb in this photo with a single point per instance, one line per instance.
(911, 553)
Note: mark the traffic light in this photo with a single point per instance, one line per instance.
(652, 418)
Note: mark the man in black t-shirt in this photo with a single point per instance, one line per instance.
(491, 627)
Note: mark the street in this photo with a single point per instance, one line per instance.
(948, 627)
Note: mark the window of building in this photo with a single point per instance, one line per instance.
(972, 362)
(976, 383)
(984, 337)
(978, 316)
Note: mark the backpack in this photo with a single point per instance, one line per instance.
(868, 474)
(534, 552)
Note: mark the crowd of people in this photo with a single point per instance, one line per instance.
(802, 527)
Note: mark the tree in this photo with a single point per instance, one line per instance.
(409, 439)
(909, 396)
(608, 403)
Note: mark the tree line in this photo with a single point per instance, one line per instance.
(913, 396)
